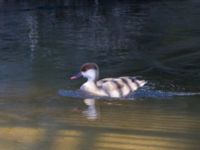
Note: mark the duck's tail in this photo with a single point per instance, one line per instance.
(141, 83)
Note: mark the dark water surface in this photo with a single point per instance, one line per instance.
(42, 43)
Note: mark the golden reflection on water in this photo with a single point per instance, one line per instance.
(15, 138)
(57, 125)
(68, 139)
(19, 138)
(117, 141)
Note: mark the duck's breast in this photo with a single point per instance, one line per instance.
(92, 88)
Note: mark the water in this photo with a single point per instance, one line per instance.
(43, 43)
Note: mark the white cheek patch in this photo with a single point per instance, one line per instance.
(89, 74)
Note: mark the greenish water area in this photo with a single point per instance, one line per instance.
(43, 43)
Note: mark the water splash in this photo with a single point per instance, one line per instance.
(159, 94)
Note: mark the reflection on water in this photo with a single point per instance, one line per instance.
(91, 112)
(43, 42)
(33, 34)
(53, 123)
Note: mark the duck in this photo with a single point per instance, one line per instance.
(108, 87)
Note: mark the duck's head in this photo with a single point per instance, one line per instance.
(89, 71)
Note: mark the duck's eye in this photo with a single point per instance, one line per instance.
(83, 69)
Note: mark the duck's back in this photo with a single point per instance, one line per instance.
(120, 87)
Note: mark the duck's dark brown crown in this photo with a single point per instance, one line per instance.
(88, 66)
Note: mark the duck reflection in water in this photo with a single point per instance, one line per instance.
(91, 112)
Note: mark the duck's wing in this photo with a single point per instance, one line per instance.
(121, 86)
(135, 82)
(109, 84)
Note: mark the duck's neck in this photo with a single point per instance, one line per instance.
(91, 81)
(90, 86)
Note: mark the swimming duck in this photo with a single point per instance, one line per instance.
(109, 87)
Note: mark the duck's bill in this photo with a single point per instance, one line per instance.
(76, 76)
